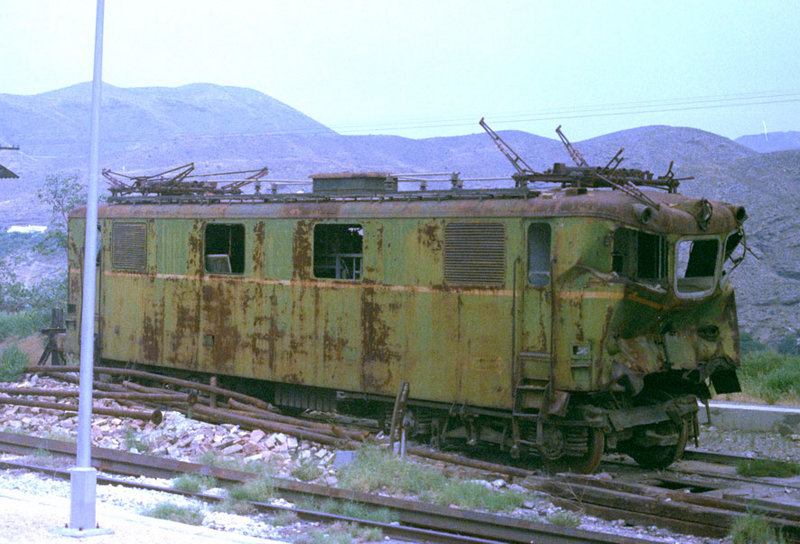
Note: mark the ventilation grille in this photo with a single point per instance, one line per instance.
(475, 253)
(129, 246)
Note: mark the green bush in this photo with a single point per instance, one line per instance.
(12, 364)
(22, 324)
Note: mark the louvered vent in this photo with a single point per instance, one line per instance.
(129, 246)
(474, 253)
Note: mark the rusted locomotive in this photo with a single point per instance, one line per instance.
(584, 317)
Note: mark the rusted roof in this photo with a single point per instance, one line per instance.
(675, 213)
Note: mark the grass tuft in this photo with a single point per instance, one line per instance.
(191, 515)
(350, 509)
(307, 470)
(375, 469)
(193, 483)
(240, 496)
(754, 529)
(133, 441)
(767, 468)
(339, 533)
(564, 519)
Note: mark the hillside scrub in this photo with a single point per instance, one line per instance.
(12, 364)
(771, 376)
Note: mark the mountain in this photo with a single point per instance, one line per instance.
(54, 125)
(148, 130)
(772, 141)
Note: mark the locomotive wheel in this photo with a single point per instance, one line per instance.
(659, 457)
(556, 457)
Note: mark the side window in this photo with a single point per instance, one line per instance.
(224, 249)
(128, 246)
(539, 254)
(338, 251)
(639, 255)
(475, 253)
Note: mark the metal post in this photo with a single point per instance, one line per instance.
(83, 477)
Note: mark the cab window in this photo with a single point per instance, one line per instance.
(640, 256)
(696, 266)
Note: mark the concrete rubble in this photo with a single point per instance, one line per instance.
(176, 436)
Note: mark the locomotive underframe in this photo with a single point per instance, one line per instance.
(654, 433)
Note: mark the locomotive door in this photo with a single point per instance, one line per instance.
(533, 368)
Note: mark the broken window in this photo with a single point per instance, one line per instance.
(539, 254)
(338, 251)
(640, 256)
(696, 266)
(224, 251)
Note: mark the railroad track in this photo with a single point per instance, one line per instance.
(645, 504)
(418, 521)
(687, 513)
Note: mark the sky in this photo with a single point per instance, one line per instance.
(424, 68)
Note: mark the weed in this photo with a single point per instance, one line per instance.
(60, 435)
(12, 364)
(214, 459)
(135, 442)
(253, 490)
(564, 519)
(340, 533)
(283, 518)
(193, 483)
(475, 496)
(376, 469)
(191, 515)
(240, 496)
(350, 509)
(307, 470)
(754, 529)
(769, 468)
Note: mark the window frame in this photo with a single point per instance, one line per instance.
(236, 254)
(659, 259)
(540, 274)
(355, 272)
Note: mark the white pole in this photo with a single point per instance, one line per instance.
(83, 478)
